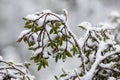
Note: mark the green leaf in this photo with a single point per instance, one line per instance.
(75, 49)
(107, 37)
(57, 24)
(51, 31)
(60, 56)
(25, 39)
(57, 57)
(27, 65)
(88, 52)
(28, 22)
(35, 58)
(24, 18)
(31, 48)
(31, 43)
(60, 41)
(55, 30)
(81, 74)
(39, 67)
(104, 72)
(82, 27)
(46, 62)
(28, 26)
(36, 29)
(64, 56)
(68, 54)
(56, 77)
(63, 37)
(10, 62)
(63, 75)
(101, 31)
(53, 45)
(31, 58)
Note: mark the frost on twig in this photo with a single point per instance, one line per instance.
(14, 71)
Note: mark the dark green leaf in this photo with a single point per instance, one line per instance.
(57, 57)
(75, 49)
(46, 62)
(68, 54)
(51, 31)
(28, 26)
(63, 75)
(64, 56)
(56, 78)
(31, 48)
(39, 67)
(24, 18)
(82, 27)
(31, 43)
(58, 24)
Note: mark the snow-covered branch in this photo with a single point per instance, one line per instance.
(14, 71)
(48, 35)
(99, 49)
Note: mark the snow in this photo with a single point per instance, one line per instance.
(86, 25)
(31, 77)
(111, 78)
(46, 11)
(24, 32)
(40, 21)
(46, 15)
(35, 36)
(63, 17)
(38, 51)
(32, 17)
(11, 74)
(51, 17)
(73, 72)
(65, 12)
(114, 14)
(1, 58)
(109, 65)
(37, 15)
(105, 26)
(89, 75)
(117, 48)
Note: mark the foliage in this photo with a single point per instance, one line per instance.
(48, 35)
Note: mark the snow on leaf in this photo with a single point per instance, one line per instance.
(22, 34)
(85, 25)
(32, 17)
(38, 51)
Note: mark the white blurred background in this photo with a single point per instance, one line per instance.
(11, 24)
